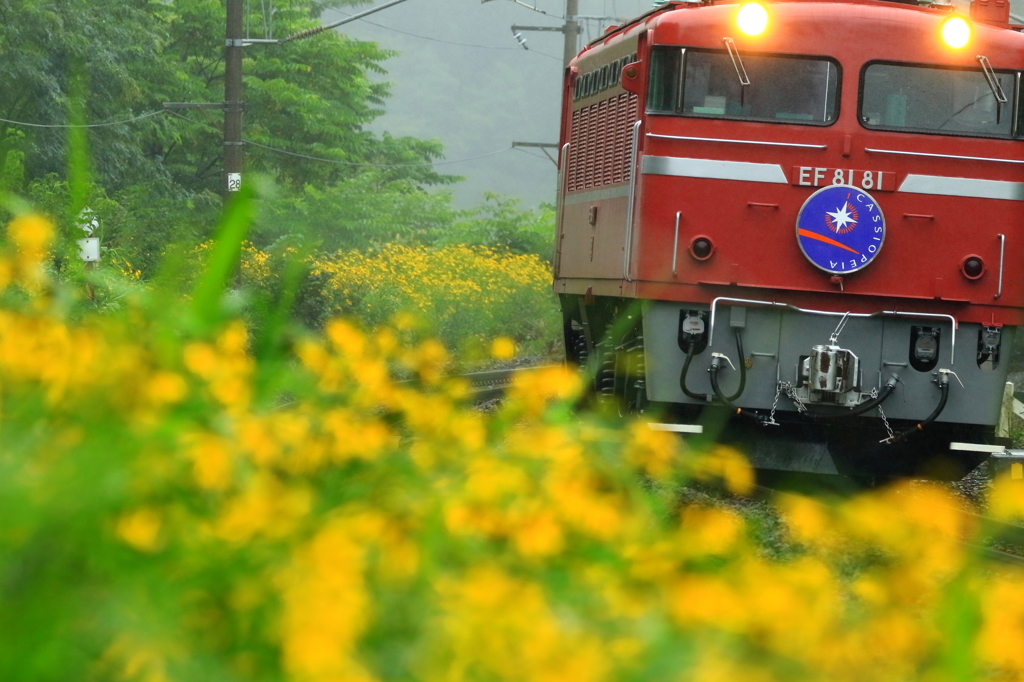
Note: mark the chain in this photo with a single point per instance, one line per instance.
(892, 436)
(791, 394)
(775, 403)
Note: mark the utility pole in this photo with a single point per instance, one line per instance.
(234, 48)
(233, 104)
(572, 30)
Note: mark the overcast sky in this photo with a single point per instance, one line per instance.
(460, 77)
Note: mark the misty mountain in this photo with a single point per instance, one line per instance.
(461, 77)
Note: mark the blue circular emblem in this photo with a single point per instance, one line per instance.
(840, 229)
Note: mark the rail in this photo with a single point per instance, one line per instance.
(491, 383)
(1007, 534)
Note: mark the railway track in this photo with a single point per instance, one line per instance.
(1007, 538)
(998, 541)
(1001, 542)
(493, 383)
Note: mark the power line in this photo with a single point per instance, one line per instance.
(83, 125)
(346, 163)
(536, 9)
(449, 42)
(378, 165)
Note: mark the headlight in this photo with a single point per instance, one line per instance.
(752, 18)
(956, 32)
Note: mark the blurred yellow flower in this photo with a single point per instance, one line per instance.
(32, 235)
(1006, 500)
(211, 458)
(503, 348)
(141, 529)
(165, 388)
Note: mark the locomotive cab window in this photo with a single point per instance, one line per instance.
(938, 100)
(707, 83)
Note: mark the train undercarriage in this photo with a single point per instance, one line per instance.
(871, 396)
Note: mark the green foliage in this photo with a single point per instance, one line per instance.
(365, 211)
(113, 45)
(465, 296)
(92, 61)
(154, 183)
(501, 223)
(185, 498)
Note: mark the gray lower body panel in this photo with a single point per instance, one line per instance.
(775, 340)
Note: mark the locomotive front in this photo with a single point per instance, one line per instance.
(807, 213)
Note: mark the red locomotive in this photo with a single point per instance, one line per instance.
(806, 213)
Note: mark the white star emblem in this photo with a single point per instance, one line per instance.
(841, 217)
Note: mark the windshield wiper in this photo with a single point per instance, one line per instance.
(993, 82)
(737, 63)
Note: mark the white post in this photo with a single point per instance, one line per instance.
(1006, 413)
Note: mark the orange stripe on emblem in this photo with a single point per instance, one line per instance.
(822, 238)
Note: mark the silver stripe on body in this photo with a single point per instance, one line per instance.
(675, 428)
(714, 170)
(730, 140)
(583, 197)
(963, 187)
(977, 447)
(943, 156)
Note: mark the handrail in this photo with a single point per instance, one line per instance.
(561, 208)
(675, 244)
(634, 176)
(1002, 254)
(880, 313)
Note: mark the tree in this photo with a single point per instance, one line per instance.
(501, 223)
(311, 98)
(43, 46)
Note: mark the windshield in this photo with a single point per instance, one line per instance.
(932, 99)
(705, 83)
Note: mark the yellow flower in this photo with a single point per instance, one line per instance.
(201, 359)
(727, 464)
(503, 348)
(141, 529)
(32, 234)
(653, 452)
(266, 506)
(165, 388)
(326, 608)
(211, 458)
(709, 531)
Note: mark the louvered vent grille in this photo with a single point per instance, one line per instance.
(601, 143)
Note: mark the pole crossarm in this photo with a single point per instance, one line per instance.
(539, 145)
(559, 29)
(571, 29)
(543, 146)
(194, 105)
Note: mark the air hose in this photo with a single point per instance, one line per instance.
(704, 397)
(743, 368)
(944, 387)
(864, 407)
(716, 364)
(682, 377)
